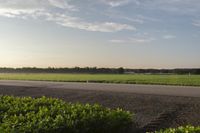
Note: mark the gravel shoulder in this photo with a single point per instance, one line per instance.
(188, 91)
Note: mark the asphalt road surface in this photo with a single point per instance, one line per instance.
(186, 91)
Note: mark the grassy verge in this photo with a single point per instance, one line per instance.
(48, 115)
(183, 80)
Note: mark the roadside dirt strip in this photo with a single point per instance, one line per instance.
(130, 88)
(156, 108)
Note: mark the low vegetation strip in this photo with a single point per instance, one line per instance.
(187, 129)
(49, 115)
(183, 80)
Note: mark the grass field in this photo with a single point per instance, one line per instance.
(186, 80)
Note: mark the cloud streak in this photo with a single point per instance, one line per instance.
(196, 23)
(115, 3)
(169, 37)
(57, 11)
(74, 22)
(133, 40)
(180, 7)
(62, 4)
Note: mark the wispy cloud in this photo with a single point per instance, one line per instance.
(115, 3)
(167, 5)
(63, 5)
(181, 7)
(134, 40)
(169, 37)
(36, 4)
(66, 13)
(32, 8)
(140, 19)
(118, 41)
(48, 10)
(74, 22)
(196, 23)
(21, 13)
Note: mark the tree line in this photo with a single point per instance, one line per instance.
(63, 70)
(95, 70)
(165, 71)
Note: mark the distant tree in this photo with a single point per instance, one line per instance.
(121, 70)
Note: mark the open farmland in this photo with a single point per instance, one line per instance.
(183, 80)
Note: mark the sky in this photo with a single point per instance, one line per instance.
(100, 33)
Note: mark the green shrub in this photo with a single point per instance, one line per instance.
(49, 115)
(187, 129)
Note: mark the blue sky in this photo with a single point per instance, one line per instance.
(101, 33)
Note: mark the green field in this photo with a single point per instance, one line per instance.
(186, 80)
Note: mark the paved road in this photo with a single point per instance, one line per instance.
(130, 88)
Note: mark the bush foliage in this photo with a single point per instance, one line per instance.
(187, 129)
(49, 115)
